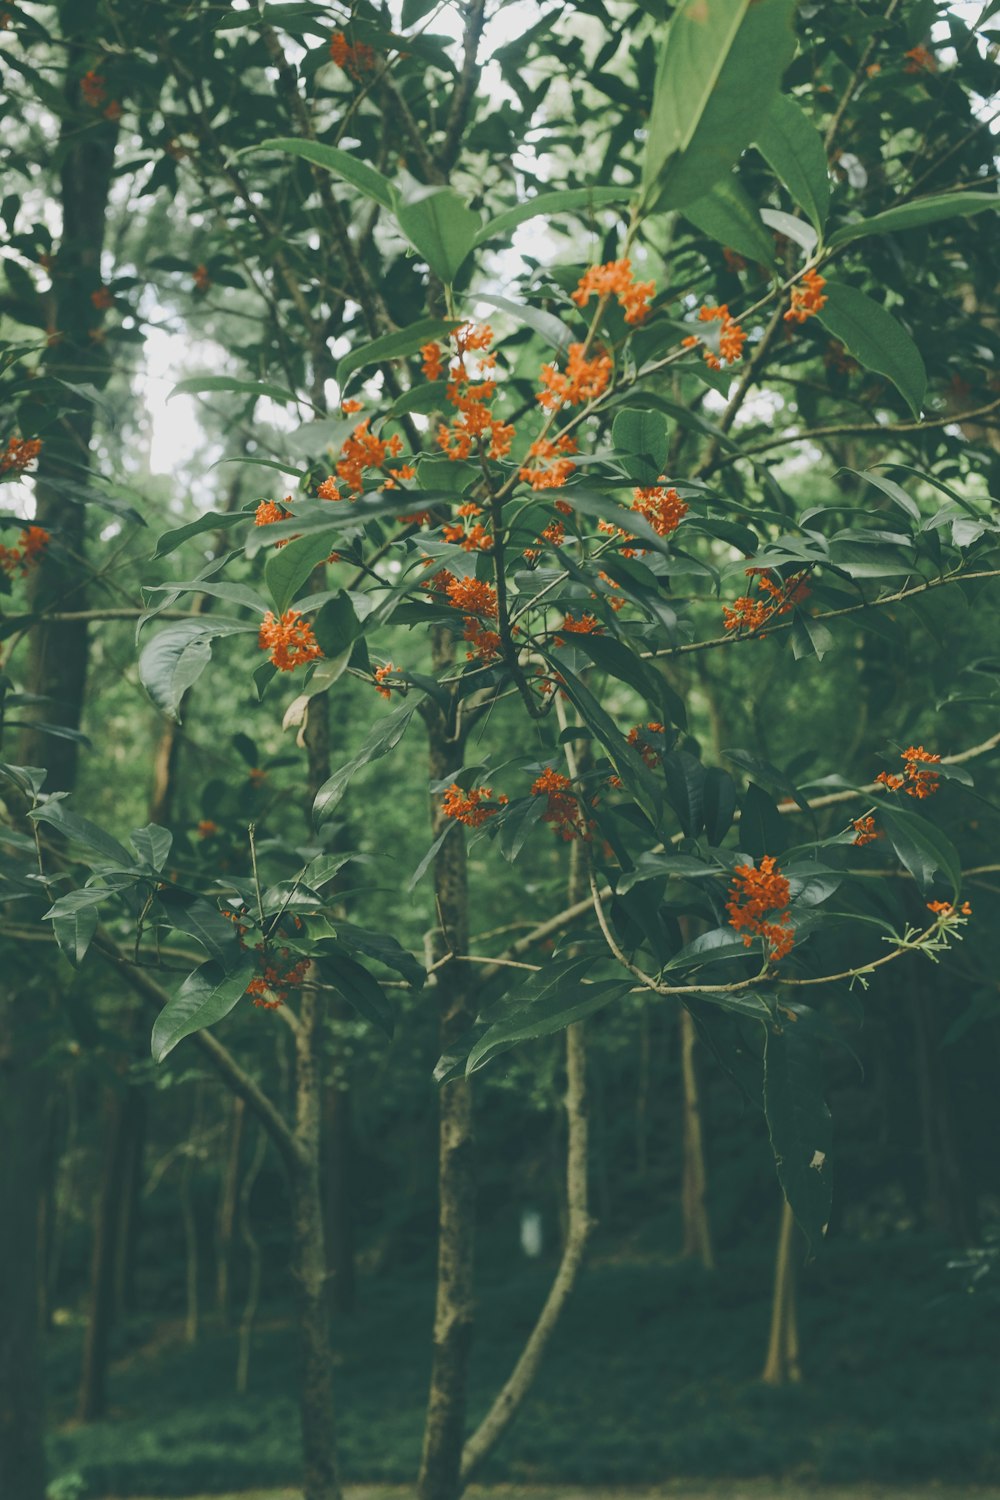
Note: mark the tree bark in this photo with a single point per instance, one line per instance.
(781, 1366)
(444, 1428)
(93, 1398)
(252, 1301)
(338, 1217)
(228, 1201)
(126, 1250)
(697, 1236)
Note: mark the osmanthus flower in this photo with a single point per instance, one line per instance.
(329, 489)
(363, 451)
(471, 538)
(206, 828)
(31, 544)
(917, 780)
(562, 810)
(432, 356)
(289, 639)
(750, 614)
(354, 58)
(640, 738)
(920, 60)
(93, 89)
(472, 807)
(947, 911)
(808, 297)
(475, 598)
(279, 974)
(758, 907)
(471, 389)
(201, 278)
(587, 624)
(379, 678)
(662, 508)
(584, 379)
(102, 298)
(19, 454)
(865, 831)
(615, 279)
(554, 467)
(731, 337)
(270, 511)
(554, 533)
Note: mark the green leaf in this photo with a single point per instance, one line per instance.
(152, 845)
(441, 227)
(628, 766)
(719, 72)
(395, 345)
(83, 832)
(797, 230)
(336, 627)
(198, 385)
(74, 919)
(383, 737)
(547, 1002)
(176, 657)
(212, 520)
(289, 567)
(709, 947)
(761, 826)
(547, 204)
(665, 867)
(545, 324)
(798, 1122)
(810, 637)
(205, 997)
(358, 173)
(727, 214)
(923, 849)
(876, 340)
(643, 439)
(793, 148)
(911, 215)
(357, 986)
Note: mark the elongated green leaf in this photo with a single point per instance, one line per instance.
(796, 230)
(728, 215)
(337, 627)
(176, 657)
(719, 72)
(793, 148)
(152, 845)
(912, 215)
(288, 568)
(341, 163)
(629, 767)
(546, 205)
(383, 737)
(212, 520)
(930, 857)
(876, 340)
(357, 986)
(232, 593)
(205, 997)
(395, 345)
(545, 324)
(74, 920)
(83, 832)
(642, 437)
(709, 947)
(200, 385)
(798, 1122)
(665, 867)
(441, 227)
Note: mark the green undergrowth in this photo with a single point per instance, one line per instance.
(652, 1374)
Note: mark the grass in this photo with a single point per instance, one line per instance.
(652, 1373)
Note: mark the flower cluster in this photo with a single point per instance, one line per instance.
(472, 807)
(807, 297)
(471, 538)
(475, 598)
(19, 453)
(554, 468)
(584, 379)
(639, 739)
(916, 780)
(93, 89)
(615, 279)
(279, 974)
(380, 675)
(31, 544)
(731, 337)
(920, 60)
(662, 508)
(865, 831)
(362, 451)
(750, 614)
(355, 58)
(470, 391)
(289, 639)
(758, 907)
(202, 280)
(269, 511)
(562, 811)
(948, 912)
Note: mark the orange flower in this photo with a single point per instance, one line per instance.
(468, 807)
(585, 625)
(474, 427)
(472, 595)
(269, 511)
(553, 472)
(562, 810)
(482, 642)
(750, 614)
(865, 831)
(615, 279)
(289, 639)
(362, 450)
(745, 614)
(201, 278)
(946, 910)
(113, 111)
(663, 509)
(354, 59)
(731, 337)
(329, 489)
(415, 518)
(920, 60)
(19, 453)
(92, 89)
(102, 299)
(890, 782)
(206, 828)
(433, 365)
(351, 406)
(279, 974)
(753, 895)
(916, 779)
(474, 538)
(31, 544)
(639, 738)
(807, 297)
(381, 673)
(584, 380)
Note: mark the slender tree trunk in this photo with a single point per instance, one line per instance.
(321, 1479)
(697, 1240)
(228, 1201)
(127, 1242)
(338, 1217)
(946, 1205)
(444, 1429)
(189, 1219)
(782, 1364)
(642, 1093)
(93, 1400)
(252, 1301)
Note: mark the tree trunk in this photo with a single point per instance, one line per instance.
(228, 1201)
(189, 1219)
(444, 1428)
(697, 1237)
(93, 1399)
(321, 1477)
(253, 1255)
(338, 1216)
(134, 1131)
(946, 1206)
(782, 1364)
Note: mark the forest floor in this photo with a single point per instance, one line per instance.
(654, 1369)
